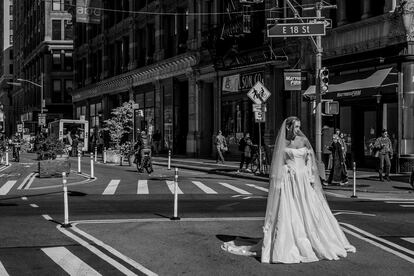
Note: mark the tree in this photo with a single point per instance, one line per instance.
(119, 126)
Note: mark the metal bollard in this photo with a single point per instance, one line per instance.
(96, 154)
(175, 217)
(79, 161)
(104, 155)
(65, 202)
(354, 190)
(7, 156)
(92, 174)
(169, 159)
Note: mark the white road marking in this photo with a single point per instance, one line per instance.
(167, 219)
(3, 271)
(373, 237)
(258, 187)
(24, 181)
(401, 201)
(69, 262)
(30, 181)
(407, 206)
(170, 185)
(114, 252)
(111, 188)
(142, 187)
(34, 205)
(7, 187)
(204, 188)
(47, 217)
(408, 239)
(96, 251)
(238, 190)
(24, 198)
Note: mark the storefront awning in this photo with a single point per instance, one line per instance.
(375, 80)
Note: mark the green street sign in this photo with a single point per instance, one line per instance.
(296, 29)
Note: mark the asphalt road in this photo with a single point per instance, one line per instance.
(121, 225)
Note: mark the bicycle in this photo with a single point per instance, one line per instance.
(254, 164)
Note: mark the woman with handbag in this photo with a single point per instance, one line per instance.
(221, 146)
(338, 173)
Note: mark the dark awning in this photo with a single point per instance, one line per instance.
(356, 86)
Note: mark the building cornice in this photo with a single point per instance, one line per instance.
(168, 68)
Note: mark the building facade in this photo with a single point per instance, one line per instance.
(6, 63)
(369, 53)
(43, 55)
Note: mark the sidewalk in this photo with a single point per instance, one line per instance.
(366, 182)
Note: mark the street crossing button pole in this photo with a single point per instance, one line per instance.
(92, 174)
(7, 156)
(104, 155)
(79, 161)
(354, 190)
(65, 202)
(175, 217)
(169, 159)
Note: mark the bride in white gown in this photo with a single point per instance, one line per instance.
(298, 226)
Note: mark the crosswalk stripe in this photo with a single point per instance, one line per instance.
(7, 187)
(238, 190)
(170, 185)
(409, 239)
(258, 187)
(204, 188)
(69, 262)
(142, 187)
(3, 271)
(407, 206)
(111, 188)
(408, 201)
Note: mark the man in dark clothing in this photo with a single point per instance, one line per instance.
(245, 155)
(385, 152)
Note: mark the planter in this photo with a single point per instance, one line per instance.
(113, 156)
(54, 168)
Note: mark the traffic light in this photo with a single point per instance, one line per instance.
(324, 79)
(330, 107)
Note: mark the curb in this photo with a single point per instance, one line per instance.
(266, 179)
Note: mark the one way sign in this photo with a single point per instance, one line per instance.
(258, 93)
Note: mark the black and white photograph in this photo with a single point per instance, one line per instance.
(206, 137)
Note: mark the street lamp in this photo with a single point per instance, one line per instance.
(38, 85)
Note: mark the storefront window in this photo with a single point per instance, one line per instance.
(370, 123)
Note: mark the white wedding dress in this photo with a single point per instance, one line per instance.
(303, 229)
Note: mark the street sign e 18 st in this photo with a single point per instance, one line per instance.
(296, 29)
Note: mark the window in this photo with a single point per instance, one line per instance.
(11, 39)
(11, 10)
(56, 5)
(11, 69)
(68, 30)
(57, 63)
(57, 91)
(68, 90)
(68, 62)
(56, 30)
(11, 24)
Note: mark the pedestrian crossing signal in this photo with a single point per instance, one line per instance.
(324, 80)
(330, 108)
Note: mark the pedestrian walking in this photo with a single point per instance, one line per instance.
(156, 138)
(383, 149)
(146, 161)
(221, 146)
(299, 225)
(245, 144)
(338, 173)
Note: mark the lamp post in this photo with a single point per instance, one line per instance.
(38, 85)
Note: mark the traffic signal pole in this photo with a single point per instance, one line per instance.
(318, 66)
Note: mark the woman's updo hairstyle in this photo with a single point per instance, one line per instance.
(290, 123)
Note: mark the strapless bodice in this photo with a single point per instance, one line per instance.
(296, 157)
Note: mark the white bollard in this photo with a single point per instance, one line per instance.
(354, 190)
(175, 217)
(7, 156)
(104, 155)
(65, 202)
(79, 161)
(96, 154)
(169, 159)
(92, 174)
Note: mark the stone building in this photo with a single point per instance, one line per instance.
(43, 49)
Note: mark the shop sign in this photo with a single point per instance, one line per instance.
(231, 83)
(294, 80)
(241, 82)
(88, 11)
(354, 93)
